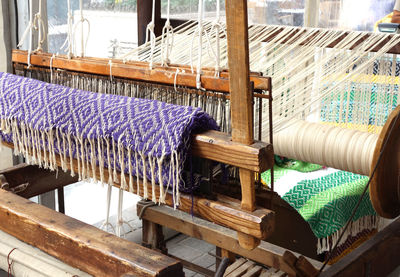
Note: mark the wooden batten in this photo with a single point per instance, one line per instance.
(139, 71)
(79, 244)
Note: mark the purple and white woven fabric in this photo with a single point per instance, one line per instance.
(139, 137)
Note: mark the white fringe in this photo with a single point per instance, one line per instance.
(364, 223)
(40, 147)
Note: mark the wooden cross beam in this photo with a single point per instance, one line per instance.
(79, 244)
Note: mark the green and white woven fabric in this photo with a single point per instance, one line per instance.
(325, 198)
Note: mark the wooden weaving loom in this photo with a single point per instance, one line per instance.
(252, 224)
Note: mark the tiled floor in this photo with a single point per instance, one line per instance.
(192, 250)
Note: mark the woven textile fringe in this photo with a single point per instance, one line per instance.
(50, 124)
(369, 222)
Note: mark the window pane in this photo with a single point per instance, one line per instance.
(113, 26)
(282, 12)
(358, 15)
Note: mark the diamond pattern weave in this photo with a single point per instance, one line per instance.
(140, 137)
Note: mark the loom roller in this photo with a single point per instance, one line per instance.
(353, 151)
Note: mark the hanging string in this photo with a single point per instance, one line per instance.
(200, 30)
(110, 64)
(81, 23)
(28, 30)
(106, 224)
(150, 35)
(39, 26)
(120, 222)
(68, 43)
(217, 27)
(120, 231)
(167, 39)
(51, 67)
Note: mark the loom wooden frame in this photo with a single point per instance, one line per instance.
(212, 145)
(244, 136)
(139, 71)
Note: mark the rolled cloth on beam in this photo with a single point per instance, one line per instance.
(145, 138)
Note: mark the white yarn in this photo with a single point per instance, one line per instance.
(27, 31)
(217, 27)
(150, 35)
(199, 32)
(39, 26)
(68, 43)
(120, 230)
(81, 23)
(289, 57)
(167, 39)
(51, 67)
(110, 64)
(106, 224)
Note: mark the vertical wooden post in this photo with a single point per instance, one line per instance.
(241, 98)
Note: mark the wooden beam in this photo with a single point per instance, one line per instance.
(378, 256)
(136, 71)
(225, 211)
(238, 56)
(39, 180)
(266, 253)
(79, 244)
(153, 237)
(218, 146)
(241, 97)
